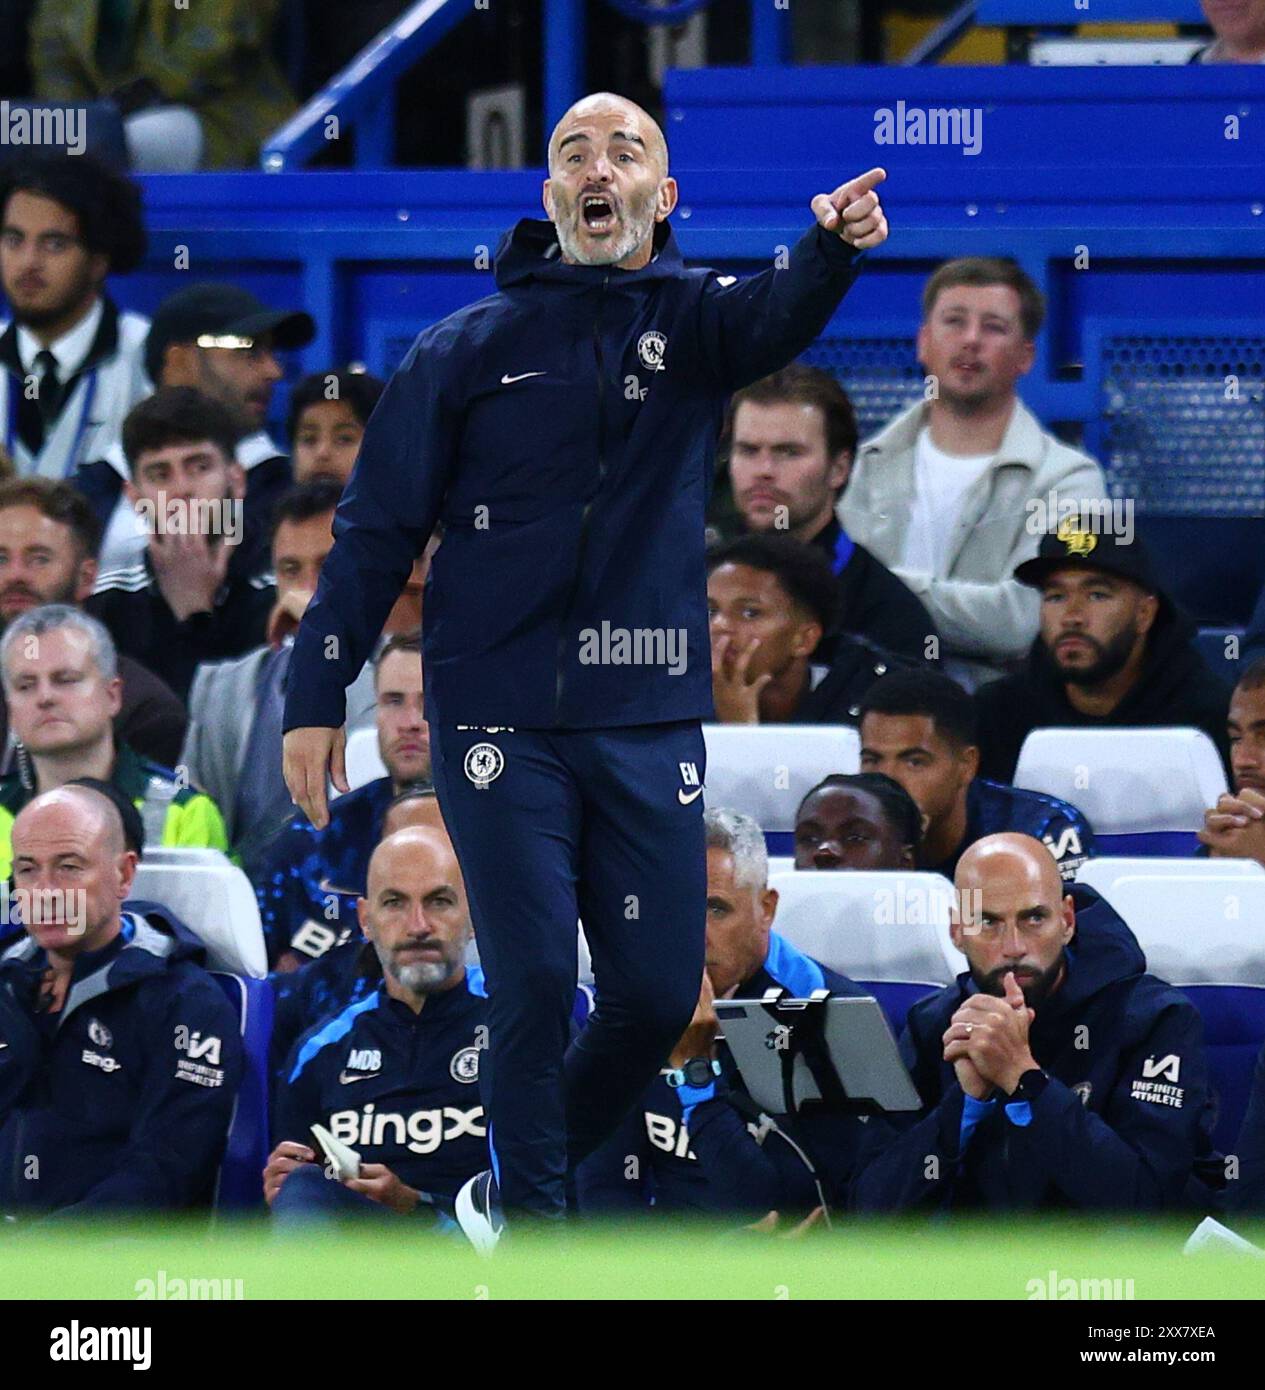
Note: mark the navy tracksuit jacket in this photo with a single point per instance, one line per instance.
(721, 1161)
(563, 430)
(1121, 1125)
(996, 806)
(125, 1096)
(309, 880)
(400, 1088)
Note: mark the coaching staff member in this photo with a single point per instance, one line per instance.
(563, 429)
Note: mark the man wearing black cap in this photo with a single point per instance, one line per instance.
(1113, 651)
(71, 362)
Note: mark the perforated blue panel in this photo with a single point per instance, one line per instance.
(880, 375)
(1183, 423)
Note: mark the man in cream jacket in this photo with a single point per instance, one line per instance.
(959, 489)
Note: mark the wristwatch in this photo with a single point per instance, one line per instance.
(1031, 1084)
(697, 1073)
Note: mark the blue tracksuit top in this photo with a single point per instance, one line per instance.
(308, 880)
(124, 1097)
(1121, 1125)
(400, 1088)
(563, 430)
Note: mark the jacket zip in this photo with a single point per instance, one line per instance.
(588, 506)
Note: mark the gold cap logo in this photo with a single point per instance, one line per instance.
(1078, 542)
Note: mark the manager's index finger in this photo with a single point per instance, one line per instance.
(857, 188)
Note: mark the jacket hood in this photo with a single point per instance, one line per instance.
(1170, 662)
(1102, 953)
(147, 949)
(530, 251)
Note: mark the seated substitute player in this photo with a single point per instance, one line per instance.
(394, 1076)
(122, 1056)
(860, 820)
(791, 440)
(308, 878)
(1235, 827)
(1113, 651)
(1055, 1073)
(771, 600)
(920, 728)
(695, 1142)
(61, 681)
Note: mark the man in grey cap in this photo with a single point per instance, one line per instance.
(1112, 651)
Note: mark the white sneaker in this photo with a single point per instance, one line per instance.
(478, 1212)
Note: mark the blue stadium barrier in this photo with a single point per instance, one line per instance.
(1117, 191)
(1058, 13)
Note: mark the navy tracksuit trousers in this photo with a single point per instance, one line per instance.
(551, 826)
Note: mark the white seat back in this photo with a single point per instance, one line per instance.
(1197, 929)
(875, 926)
(1102, 874)
(765, 770)
(183, 854)
(217, 904)
(1127, 781)
(364, 762)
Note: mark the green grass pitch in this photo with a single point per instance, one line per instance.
(1010, 1257)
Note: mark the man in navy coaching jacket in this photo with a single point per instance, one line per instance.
(1055, 1073)
(563, 429)
(121, 1056)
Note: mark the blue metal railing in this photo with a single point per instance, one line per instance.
(362, 94)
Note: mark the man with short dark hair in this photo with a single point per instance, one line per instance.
(791, 441)
(123, 1056)
(202, 591)
(72, 362)
(308, 879)
(326, 421)
(858, 820)
(1235, 827)
(1055, 1074)
(49, 540)
(940, 494)
(919, 727)
(1113, 652)
(771, 599)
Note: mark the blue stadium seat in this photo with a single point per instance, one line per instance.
(1203, 934)
(765, 770)
(887, 931)
(240, 1184)
(1143, 790)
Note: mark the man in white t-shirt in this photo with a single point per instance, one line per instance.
(941, 495)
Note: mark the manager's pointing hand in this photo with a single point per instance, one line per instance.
(853, 210)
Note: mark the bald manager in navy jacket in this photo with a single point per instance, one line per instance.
(563, 430)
